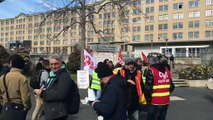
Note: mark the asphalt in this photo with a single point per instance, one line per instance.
(188, 104)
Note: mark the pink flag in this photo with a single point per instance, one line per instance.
(144, 57)
(89, 62)
(120, 58)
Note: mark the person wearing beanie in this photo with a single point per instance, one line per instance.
(112, 103)
(134, 90)
(16, 82)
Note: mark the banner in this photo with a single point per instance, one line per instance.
(143, 56)
(89, 62)
(120, 58)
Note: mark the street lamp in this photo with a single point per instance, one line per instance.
(151, 45)
(166, 51)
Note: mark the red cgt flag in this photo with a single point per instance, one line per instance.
(144, 57)
(120, 58)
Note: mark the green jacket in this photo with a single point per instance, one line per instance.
(95, 83)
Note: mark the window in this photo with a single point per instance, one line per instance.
(163, 17)
(124, 21)
(162, 36)
(136, 11)
(41, 42)
(148, 37)
(178, 16)
(150, 19)
(209, 2)
(136, 38)
(163, 8)
(193, 34)
(136, 3)
(163, 0)
(209, 33)
(178, 25)
(178, 35)
(177, 6)
(194, 24)
(209, 12)
(100, 16)
(106, 15)
(124, 29)
(35, 42)
(195, 3)
(150, 1)
(136, 29)
(162, 26)
(149, 9)
(124, 13)
(209, 23)
(149, 28)
(136, 20)
(194, 14)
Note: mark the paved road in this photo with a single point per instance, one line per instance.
(187, 104)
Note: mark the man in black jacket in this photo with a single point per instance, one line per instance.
(112, 103)
(58, 88)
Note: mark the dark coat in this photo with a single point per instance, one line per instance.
(112, 105)
(55, 96)
(132, 95)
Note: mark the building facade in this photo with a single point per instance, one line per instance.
(183, 28)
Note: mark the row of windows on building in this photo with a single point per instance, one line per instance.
(193, 14)
(53, 50)
(179, 35)
(191, 3)
(178, 25)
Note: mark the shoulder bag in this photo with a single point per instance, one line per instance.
(11, 110)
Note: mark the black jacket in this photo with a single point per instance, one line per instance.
(55, 96)
(132, 95)
(112, 105)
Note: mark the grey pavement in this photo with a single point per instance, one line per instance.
(197, 104)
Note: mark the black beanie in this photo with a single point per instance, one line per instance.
(17, 62)
(103, 70)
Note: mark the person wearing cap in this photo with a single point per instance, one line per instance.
(158, 88)
(17, 89)
(112, 103)
(135, 94)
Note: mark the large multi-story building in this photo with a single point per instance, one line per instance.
(183, 28)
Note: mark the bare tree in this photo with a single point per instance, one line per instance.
(82, 13)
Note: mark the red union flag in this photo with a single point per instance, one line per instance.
(89, 62)
(144, 57)
(120, 58)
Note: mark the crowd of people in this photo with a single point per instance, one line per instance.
(121, 91)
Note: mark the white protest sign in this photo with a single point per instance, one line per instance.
(83, 79)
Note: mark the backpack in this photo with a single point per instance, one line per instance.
(35, 79)
(73, 100)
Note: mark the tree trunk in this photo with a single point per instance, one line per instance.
(83, 33)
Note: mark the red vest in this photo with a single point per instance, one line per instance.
(161, 86)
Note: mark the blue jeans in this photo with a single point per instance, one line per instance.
(157, 112)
